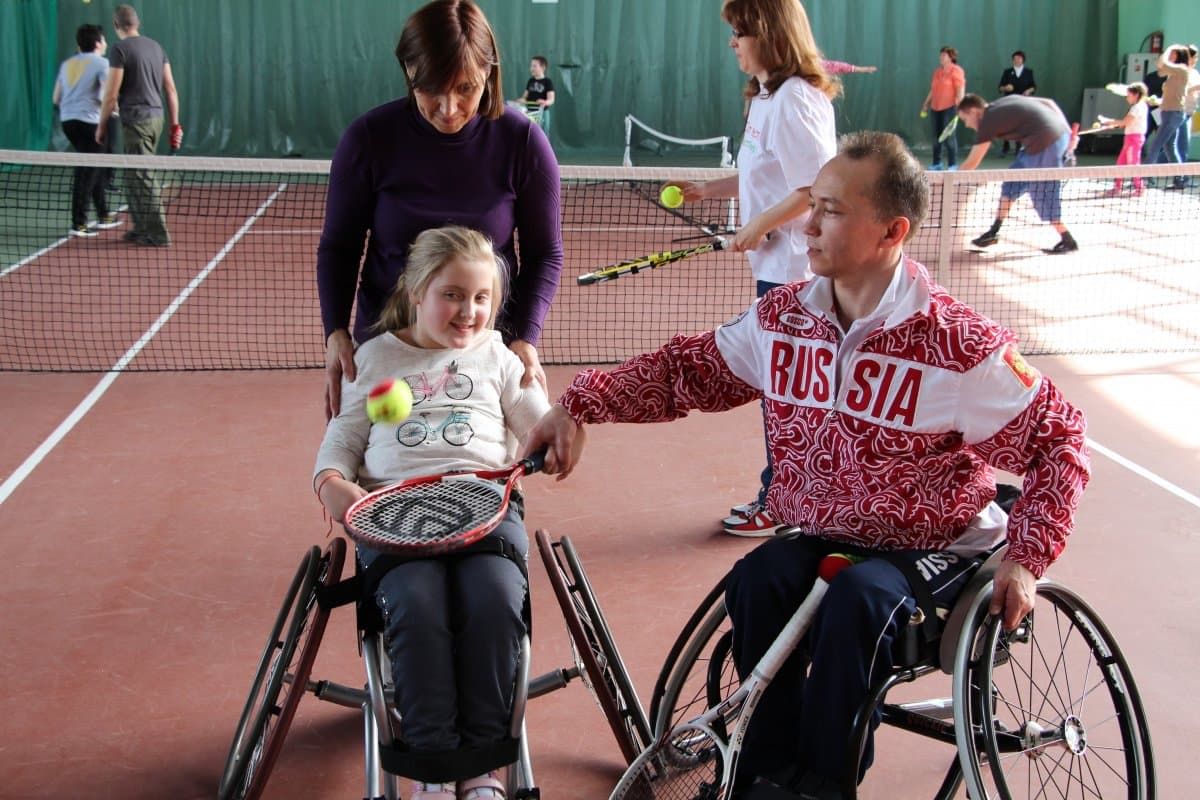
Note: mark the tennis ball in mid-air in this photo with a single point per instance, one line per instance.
(671, 196)
(389, 402)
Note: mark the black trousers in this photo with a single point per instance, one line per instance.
(90, 183)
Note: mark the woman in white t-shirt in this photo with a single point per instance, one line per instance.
(1134, 123)
(789, 136)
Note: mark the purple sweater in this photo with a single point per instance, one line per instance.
(394, 175)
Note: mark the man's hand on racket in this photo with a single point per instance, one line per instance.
(337, 494)
(533, 365)
(1013, 593)
(339, 361)
(563, 439)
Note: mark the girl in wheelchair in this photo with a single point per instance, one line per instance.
(452, 625)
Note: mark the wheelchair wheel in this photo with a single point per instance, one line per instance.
(1053, 708)
(282, 675)
(595, 651)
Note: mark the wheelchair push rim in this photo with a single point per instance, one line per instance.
(283, 668)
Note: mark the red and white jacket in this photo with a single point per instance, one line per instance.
(884, 435)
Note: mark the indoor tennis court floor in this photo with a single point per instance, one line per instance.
(149, 535)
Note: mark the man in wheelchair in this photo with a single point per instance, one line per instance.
(888, 404)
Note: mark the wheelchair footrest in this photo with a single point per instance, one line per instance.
(448, 765)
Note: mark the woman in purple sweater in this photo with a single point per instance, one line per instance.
(449, 153)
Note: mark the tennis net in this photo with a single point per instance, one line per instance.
(236, 288)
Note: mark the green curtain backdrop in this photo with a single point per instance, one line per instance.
(284, 77)
(28, 60)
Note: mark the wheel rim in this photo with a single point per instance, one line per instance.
(1057, 719)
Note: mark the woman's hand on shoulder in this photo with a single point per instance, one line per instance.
(533, 367)
(339, 361)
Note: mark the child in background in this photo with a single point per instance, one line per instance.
(452, 627)
(1134, 123)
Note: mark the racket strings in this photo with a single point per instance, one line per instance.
(423, 514)
(687, 767)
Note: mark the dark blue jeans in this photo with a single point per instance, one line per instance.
(453, 629)
(940, 120)
(805, 716)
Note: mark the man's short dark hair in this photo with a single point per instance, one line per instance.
(972, 101)
(88, 36)
(542, 60)
(125, 17)
(901, 189)
(950, 51)
(1020, 53)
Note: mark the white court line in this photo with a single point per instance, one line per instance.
(22, 472)
(46, 249)
(1141, 471)
(38, 254)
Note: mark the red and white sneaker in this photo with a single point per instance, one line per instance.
(758, 525)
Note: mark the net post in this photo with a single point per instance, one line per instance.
(945, 227)
(627, 160)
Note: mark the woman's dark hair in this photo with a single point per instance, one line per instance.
(950, 51)
(446, 39)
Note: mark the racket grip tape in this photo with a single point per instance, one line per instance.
(535, 462)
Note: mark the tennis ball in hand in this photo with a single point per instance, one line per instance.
(924, 114)
(671, 196)
(389, 402)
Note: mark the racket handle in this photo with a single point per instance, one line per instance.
(535, 462)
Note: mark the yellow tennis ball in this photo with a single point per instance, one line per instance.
(671, 196)
(389, 402)
(924, 114)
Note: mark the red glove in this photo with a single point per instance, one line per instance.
(176, 137)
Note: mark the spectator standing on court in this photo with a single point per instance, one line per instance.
(946, 89)
(539, 90)
(139, 82)
(789, 135)
(1191, 99)
(449, 152)
(1174, 65)
(77, 93)
(1038, 125)
(1134, 124)
(889, 405)
(1017, 79)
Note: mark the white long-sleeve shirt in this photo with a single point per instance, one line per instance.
(469, 411)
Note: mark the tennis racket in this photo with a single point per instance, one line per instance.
(949, 130)
(697, 758)
(652, 261)
(436, 514)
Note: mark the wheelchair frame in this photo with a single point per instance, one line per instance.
(1005, 748)
(282, 677)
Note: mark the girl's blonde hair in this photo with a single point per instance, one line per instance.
(429, 252)
(786, 44)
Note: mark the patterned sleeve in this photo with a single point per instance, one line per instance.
(688, 373)
(1046, 443)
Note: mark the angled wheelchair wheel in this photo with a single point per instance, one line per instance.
(1053, 708)
(282, 675)
(595, 651)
